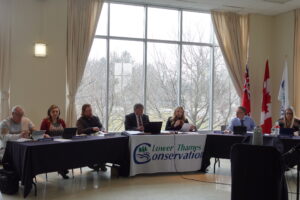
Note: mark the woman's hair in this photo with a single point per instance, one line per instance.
(175, 118)
(84, 107)
(289, 124)
(52, 107)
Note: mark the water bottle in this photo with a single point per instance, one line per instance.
(277, 129)
(257, 136)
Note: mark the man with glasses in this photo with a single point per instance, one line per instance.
(241, 119)
(136, 120)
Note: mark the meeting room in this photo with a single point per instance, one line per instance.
(150, 99)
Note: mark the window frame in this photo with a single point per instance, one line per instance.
(145, 41)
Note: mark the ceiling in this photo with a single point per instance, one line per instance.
(265, 7)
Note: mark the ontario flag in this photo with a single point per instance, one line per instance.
(246, 93)
(266, 115)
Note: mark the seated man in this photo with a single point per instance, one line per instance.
(89, 124)
(241, 119)
(136, 120)
(15, 127)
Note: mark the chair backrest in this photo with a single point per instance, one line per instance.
(257, 173)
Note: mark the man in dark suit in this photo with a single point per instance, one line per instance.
(136, 120)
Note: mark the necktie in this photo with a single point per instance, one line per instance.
(242, 122)
(140, 121)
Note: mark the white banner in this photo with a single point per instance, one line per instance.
(166, 153)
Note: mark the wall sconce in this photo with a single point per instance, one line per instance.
(40, 50)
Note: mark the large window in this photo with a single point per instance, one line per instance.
(159, 57)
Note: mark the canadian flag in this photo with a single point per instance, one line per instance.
(246, 92)
(266, 115)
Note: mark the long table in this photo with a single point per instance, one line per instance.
(219, 146)
(29, 159)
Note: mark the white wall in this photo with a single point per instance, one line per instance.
(36, 83)
(270, 37)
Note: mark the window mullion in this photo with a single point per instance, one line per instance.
(107, 69)
(180, 61)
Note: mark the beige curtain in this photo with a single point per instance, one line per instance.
(82, 22)
(297, 63)
(5, 34)
(232, 31)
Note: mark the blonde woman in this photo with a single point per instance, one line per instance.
(289, 120)
(176, 122)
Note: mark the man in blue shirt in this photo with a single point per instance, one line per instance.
(241, 119)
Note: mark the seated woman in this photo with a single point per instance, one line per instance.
(54, 126)
(289, 120)
(176, 122)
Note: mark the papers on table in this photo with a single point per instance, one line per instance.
(23, 140)
(134, 132)
(185, 127)
(188, 133)
(62, 140)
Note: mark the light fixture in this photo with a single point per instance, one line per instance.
(40, 49)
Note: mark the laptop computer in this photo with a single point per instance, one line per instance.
(239, 130)
(37, 135)
(69, 133)
(153, 127)
(286, 132)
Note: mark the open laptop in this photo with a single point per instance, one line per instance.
(37, 135)
(69, 133)
(153, 127)
(239, 130)
(286, 132)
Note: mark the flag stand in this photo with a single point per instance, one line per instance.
(298, 169)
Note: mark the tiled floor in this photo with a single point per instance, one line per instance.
(90, 185)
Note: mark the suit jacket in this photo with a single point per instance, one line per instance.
(131, 121)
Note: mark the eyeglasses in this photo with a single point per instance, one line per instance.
(289, 113)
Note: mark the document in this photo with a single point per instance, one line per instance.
(23, 140)
(62, 140)
(185, 127)
(134, 132)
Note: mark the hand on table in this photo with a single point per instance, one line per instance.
(141, 128)
(24, 134)
(96, 129)
(193, 128)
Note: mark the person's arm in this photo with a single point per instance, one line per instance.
(128, 124)
(63, 123)
(252, 124)
(31, 126)
(99, 124)
(81, 128)
(44, 125)
(230, 126)
(5, 135)
(168, 125)
(147, 119)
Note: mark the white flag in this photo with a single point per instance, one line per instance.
(283, 95)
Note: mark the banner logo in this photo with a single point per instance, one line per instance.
(141, 154)
(145, 152)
